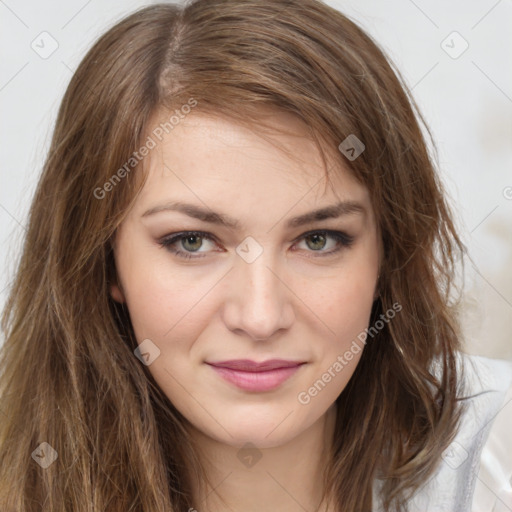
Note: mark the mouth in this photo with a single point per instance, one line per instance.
(257, 377)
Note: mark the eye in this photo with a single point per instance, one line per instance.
(190, 241)
(193, 241)
(318, 240)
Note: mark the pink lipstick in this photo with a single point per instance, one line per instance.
(252, 376)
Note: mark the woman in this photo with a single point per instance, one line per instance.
(235, 292)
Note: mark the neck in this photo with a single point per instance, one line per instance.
(288, 477)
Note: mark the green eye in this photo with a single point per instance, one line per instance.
(192, 241)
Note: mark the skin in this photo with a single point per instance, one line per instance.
(290, 302)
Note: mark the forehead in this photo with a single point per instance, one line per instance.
(212, 158)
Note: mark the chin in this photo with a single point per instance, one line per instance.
(259, 437)
(262, 430)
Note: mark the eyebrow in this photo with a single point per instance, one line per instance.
(328, 212)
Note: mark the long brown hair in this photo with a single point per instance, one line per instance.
(69, 376)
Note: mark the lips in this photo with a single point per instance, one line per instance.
(251, 376)
(246, 365)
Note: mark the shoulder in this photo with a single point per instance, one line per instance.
(493, 486)
(484, 374)
(476, 467)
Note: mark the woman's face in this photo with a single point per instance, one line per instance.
(259, 282)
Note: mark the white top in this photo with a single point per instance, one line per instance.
(475, 474)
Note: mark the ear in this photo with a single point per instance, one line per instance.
(376, 293)
(117, 293)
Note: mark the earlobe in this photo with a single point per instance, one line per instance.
(376, 293)
(116, 293)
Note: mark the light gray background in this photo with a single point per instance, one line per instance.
(466, 99)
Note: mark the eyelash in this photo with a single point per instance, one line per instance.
(343, 240)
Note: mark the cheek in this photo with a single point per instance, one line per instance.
(347, 322)
(159, 301)
(346, 302)
(170, 319)
(149, 305)
(346, 310)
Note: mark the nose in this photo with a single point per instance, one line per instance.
(259, 302)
